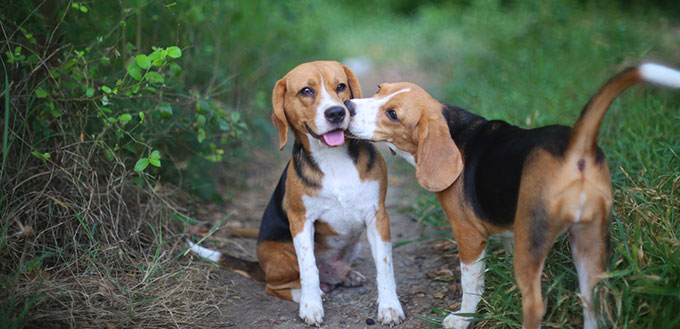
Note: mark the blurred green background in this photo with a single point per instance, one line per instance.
(159, 105)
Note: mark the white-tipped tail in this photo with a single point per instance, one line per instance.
(205, 252)
(660, 74)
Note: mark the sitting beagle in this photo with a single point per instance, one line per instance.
(329, 193)
(495, 178)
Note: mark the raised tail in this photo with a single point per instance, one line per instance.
(244, 267)
(583, 138)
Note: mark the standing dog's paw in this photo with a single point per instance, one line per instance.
(391, 314)
(311, 312)
(354, 279)
(453, 321)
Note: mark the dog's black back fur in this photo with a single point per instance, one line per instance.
(494, 153)
(275, 225)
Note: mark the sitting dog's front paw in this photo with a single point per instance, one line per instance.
(391, 314)
(311, 312)
(354, 279)
(453, 321)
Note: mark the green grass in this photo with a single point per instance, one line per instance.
(536, 63)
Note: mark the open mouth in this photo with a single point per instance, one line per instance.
(332, 138)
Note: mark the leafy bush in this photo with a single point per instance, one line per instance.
(108, 107)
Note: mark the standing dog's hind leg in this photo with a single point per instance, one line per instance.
(589, 249)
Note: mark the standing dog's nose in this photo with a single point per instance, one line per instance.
(335, 114)
(350, 108)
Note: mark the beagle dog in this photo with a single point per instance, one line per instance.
(495, 178)
(329, 193)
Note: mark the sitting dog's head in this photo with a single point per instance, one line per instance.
(407, 118)
(310, 99)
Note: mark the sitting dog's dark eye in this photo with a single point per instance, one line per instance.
(306, 91)
(392, 115)
(341, 87)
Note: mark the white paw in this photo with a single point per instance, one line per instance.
(311, 311)
(454, 321)
(354, 279)
(390, 314)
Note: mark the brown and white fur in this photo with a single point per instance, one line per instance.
(494, 178)
(330, 192)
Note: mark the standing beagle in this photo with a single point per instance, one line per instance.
(330, 192)
(494, 178)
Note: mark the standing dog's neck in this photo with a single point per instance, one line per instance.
(463, 124)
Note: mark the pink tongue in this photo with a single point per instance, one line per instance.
(334, 138)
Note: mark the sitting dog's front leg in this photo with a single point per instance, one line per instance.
(311, 308)
(378, 233)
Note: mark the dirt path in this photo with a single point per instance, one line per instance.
(246, 305)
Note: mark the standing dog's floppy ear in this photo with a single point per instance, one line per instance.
(279, 115)
(438, 160)
(354, 87)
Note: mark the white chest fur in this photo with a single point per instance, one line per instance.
(344, 201)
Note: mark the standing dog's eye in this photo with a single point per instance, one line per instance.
(392, 115)
(341, 87)
(306, 91)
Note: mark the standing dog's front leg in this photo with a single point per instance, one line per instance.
(378, 233)
(311, 308)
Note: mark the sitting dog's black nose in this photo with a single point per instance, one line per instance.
(350, 107)
(335, 114)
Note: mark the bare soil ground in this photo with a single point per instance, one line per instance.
(246, 305)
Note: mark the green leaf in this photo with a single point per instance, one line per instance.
(106, 89)
(130, 148)
(141, 164)
(125, 117)
(200, 120)
(174, 52)
(154, 56)
(143, 61)
(105, 100)
(40, 93)
(235, 116)
(165, 109)
(155, 162)
(135, 71)
(41, 156)
(223, 124)
(201, 135)
(89, 92)
(155, 155)
(154, 77)
(175, 69)
(141, 116)
(83, 8)
(55, 112)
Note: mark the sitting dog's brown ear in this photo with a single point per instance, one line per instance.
(279, 115)
(438, 160)
(354, 87)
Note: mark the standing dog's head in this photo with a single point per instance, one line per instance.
(310, 99)
(407, 118)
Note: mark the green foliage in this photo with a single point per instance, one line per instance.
(108, 107)
(135, 76)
